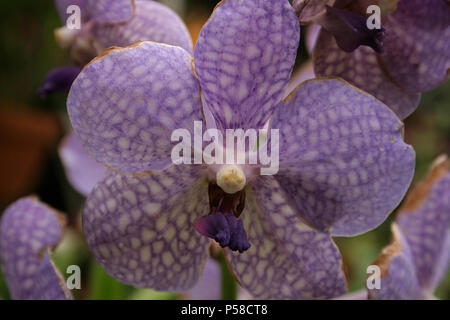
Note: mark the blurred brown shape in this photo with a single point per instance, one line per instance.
(195, 21)
(26, 140)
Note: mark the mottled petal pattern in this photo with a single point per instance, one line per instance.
(418, 257)
(424, 219)
(28, 231)
(153, 21)
(141, 229)
(417, 44)
(287, 259)
(110, 11)
(125, 105)
(398, 274)
(365, 70)
(81, 170)
(343, 162)
(244, 57)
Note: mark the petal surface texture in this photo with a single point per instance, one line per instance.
(141, 229)
(110, 11)
(417, 44)
(287, 259)
(418, 258)
(343, 163)
(209, 287)
(363, 69)
(244, 58)
(152, 21)
(125, 105)
(425, 222)
(398, 273)
(28, 231)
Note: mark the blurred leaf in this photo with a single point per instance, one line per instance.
(103, 287)
(229, 285)
(4, 293)
(443, 291)
(147, 294)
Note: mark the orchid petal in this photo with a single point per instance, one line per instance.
(363, 69)
(28, 231)
(125, 105)
(398, 274)
(419, 256)
(417, 44)
(110, 11)
(287, 259)
(81, 170)
(343, 162)
(424, 219)
(141, 229)
(153, 21)
(244, 57)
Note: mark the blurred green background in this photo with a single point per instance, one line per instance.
(31, 128)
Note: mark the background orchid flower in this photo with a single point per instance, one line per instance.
(209, 286)
(29, 231)
(213, 285)
(343, 166)
(81, 170)
(106, 23)
(409, 55)
(418, 258)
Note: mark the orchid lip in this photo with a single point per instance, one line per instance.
(225, 229)
(223, 224)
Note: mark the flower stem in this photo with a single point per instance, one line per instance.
(229, 285)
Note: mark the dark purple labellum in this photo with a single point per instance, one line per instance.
(350, 30)
(58, 80)
(226, 229)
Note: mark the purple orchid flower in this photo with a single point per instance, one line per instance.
(343, 163)
(29, 230)
(106, 23)
(413, 265)
(410, 54)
